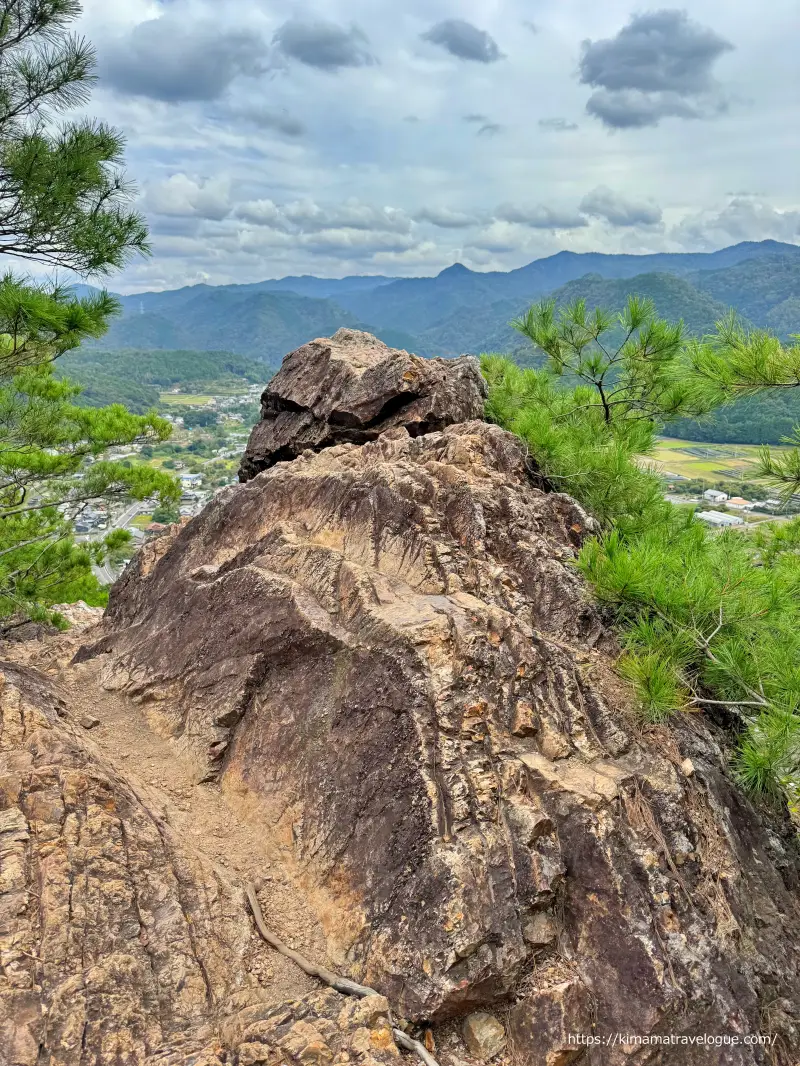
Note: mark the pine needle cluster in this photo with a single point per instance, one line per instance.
(64, 202)
(708, 621)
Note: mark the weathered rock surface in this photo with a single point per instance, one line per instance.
(366, 640)
(112, 942)
(387, 650)
(484, 1036)
(118, 946)
(383, 652)
(351, 388)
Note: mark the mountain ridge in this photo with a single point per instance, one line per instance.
(460, 310)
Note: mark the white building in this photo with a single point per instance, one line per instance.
(719, 518)
(715, 496)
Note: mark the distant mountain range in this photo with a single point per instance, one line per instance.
(462, 310)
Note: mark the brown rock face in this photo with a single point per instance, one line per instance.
(119, 946)
(113, 943)
(351, 388)
(386, 649)
(382, 653)
(360, 667)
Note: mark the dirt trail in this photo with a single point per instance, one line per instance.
(201, 814)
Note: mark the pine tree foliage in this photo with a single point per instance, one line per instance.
(626, 361)
(713, 621)
(63, 201)
(63, 195)
(611, 384)
(51, 450)
(741, 362)
(708, 621)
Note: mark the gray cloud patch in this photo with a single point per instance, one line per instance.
(323, 45)
(445, 218)
(660, 51)
(164, 60)
(270, 119)
(632, 109)
(307, 216)
(559, 125)
(463, 40)
(658, 65)
(490, 129)
(540, 217)
(619, 210)
(476, 117)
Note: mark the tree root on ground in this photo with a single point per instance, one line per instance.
(340, 984)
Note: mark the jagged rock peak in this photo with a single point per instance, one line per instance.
(352, 387)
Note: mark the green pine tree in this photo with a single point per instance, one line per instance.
(740, 362)
(707, 621)
(64, 202)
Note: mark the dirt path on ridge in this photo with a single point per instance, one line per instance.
(200, 814)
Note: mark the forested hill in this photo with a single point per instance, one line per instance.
(676, 298)
(766, 291)
(264, 325)
(136, 378)
(460, 310)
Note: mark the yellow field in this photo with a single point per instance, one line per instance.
(709, 462)
(190, 399)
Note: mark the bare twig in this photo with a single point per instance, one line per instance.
(419, 1049)
(341, 984)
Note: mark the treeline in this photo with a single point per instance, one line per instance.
(135, 377)
(765, 419)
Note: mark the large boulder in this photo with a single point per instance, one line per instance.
(386, 650)
(352, 387)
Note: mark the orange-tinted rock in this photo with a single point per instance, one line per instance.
(386, 649)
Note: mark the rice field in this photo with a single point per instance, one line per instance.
(706, 462)
(184, 398)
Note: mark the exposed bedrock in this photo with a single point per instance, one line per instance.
(119, 945)
(386, 650)
(351, 388)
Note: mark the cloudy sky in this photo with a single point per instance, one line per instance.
(274, 137)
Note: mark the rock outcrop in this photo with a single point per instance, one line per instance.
(112, 943)
(351, 388)
(383, 650)
(118, 945)
(387, 649)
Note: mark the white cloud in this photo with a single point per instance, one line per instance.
(541, 217)
(620, 210)
(249, 171)
(181, 195)
(743, 218)
(445, 217)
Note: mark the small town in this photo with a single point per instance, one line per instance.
(203, 452)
